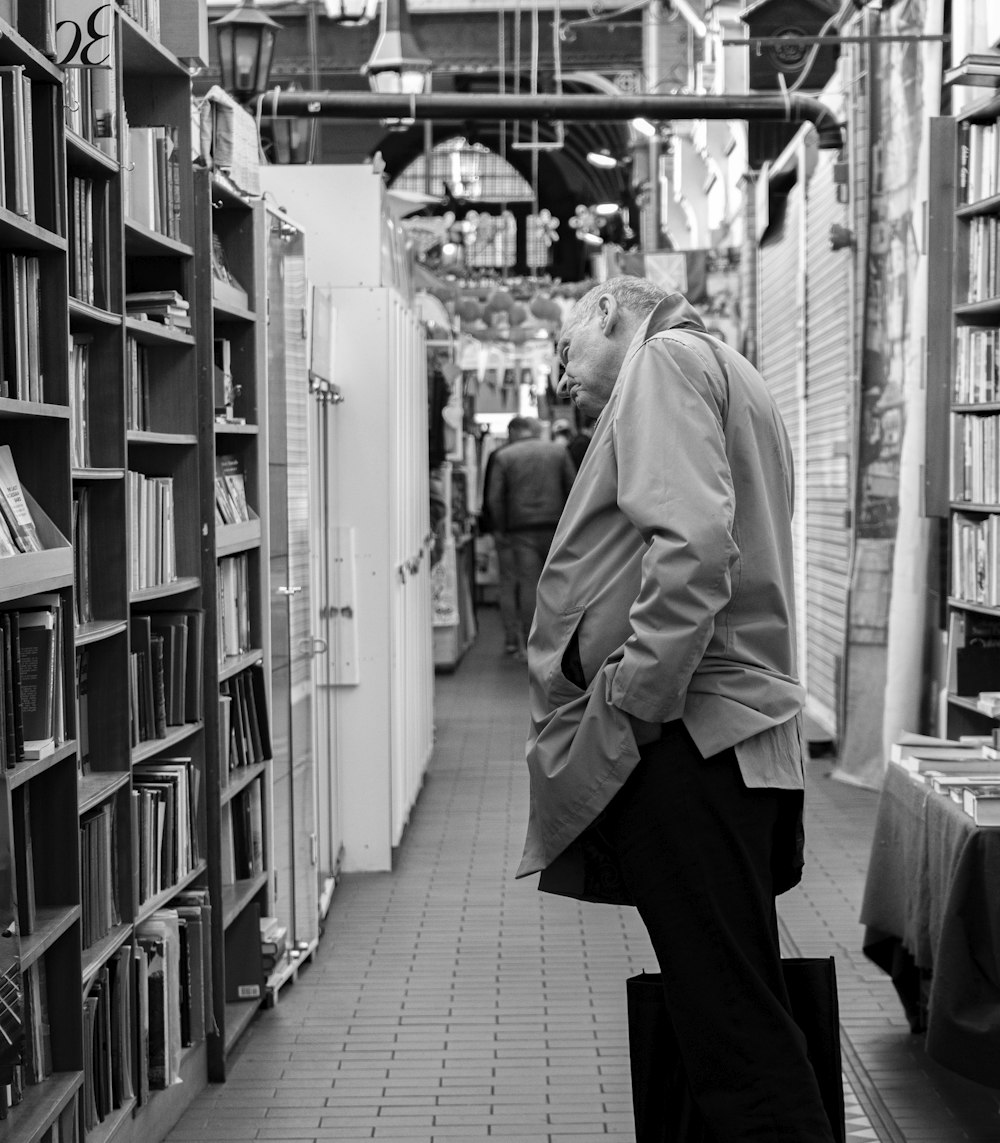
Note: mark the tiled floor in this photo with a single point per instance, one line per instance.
(449, 1002)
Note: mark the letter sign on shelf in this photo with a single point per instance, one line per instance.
(83, 33)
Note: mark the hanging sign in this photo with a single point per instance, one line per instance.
(84, 33)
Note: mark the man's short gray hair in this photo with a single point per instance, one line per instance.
(638, 295)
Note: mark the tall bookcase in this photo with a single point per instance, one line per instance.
(133, 856)
(231, 308)
(964, 367)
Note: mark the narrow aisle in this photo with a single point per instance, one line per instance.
(447, 1000)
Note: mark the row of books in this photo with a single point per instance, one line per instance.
(165, 844)
(975, 458)
(79, 399)
(137, 381)
(109, 1016)
(975, 558)
(101, 907)
(146, 14)
(89, 251)
(33, 706)
(245, 736)
(151, 189)
(21, 371)
(152, 545)
(242, 835)
(166, 671)
(965, 769)
(90, 97)
(977, 365)
(979, 161)
(983, 264)
(231, 506)
(233, 611)
(17, 163)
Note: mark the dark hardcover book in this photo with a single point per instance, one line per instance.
(158, 1000)
(24, 856)
(140, 631)
(244, 970)
(13, 641)
(37, 667)
(159, 685)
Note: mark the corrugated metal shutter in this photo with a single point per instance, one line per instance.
(780, 357)
(828, 371)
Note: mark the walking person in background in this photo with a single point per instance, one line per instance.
(665, 752)
(526, 487)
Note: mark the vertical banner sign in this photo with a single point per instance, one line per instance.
(83, 33)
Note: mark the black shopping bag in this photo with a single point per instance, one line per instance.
(664, 1109)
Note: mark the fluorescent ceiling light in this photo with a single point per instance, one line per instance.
(644, 127)
(601, 159)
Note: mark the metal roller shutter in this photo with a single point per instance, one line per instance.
(780, 332)
(828, 372)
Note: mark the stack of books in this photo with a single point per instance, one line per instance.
(164, 306)
(965, 769)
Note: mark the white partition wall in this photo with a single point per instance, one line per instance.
(377, 600)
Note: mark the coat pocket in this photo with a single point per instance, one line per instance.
(560, 666)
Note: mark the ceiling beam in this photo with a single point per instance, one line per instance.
(790, 107)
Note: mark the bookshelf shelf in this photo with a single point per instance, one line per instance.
(98, 787)
(237, 663)
(50, 925)
(173, 738)
(239, 780)
(85, 157)
(233, 538)
(83, 315)
(114, 1125)
(148, 908)
(97, 954)
(26, 771)
(165, 591)
(98, 631)
(172, 440)
(43, 1103)
(235, 898)
(35, 572)
(97, 475)
(226, 312)
(142, 55)
(17, 233)
(238, 1017)
(156, 333)
(142, 242)
(965, 703)
(234, 429)
(969, 506)
(982, 206)
(976, 407)
(13, 409)
(989, 308)
(967, 605)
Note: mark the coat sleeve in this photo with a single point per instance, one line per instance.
(496, 493)
(675, 486)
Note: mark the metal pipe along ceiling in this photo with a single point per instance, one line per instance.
(790, 107)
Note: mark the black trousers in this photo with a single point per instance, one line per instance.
(696, 848)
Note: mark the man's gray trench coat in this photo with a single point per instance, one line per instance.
(668, 591)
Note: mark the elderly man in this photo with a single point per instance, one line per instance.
(665, 751)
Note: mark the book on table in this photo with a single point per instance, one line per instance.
(982, 804)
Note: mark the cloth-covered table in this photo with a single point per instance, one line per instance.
(931, 912)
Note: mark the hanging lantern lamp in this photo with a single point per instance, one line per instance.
(246, 47)
(397, 66)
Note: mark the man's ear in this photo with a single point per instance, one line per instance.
(610, 313)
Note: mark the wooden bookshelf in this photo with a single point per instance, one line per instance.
(231, 334)
(964, 393)
(109, 418)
